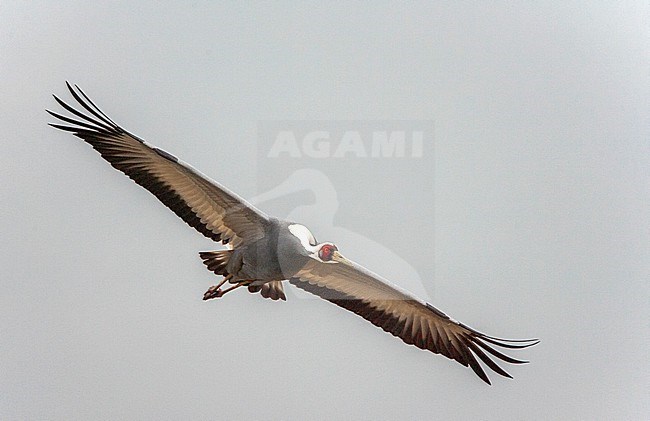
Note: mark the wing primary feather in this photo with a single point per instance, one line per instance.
(536, 341)
(73, 121)
(502, 343)
(499, 341)
(100, 115)
(467, 358)
(487, 360)
(93, 104)
(74, 130)
(96, 124)
(498, 354)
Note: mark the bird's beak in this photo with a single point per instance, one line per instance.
(338, 257)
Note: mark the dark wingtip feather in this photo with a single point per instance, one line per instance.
(62, 127)
(486, 359)
(107, 119)
(476, 367)
(101, 119)
(498, 354)
(100, 125)
(509, 343)
(535, 340)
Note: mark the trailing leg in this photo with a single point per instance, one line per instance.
(216, 292)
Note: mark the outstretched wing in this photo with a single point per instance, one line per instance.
(418, 323)
(204, 204)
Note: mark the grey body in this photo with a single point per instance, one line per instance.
(275, 257)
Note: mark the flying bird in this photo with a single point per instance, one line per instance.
(262, 251)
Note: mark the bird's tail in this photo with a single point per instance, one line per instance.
(217, 261)
(273, 290)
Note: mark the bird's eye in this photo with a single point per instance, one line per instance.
(325, 252)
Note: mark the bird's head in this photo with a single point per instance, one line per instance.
(327, 252)
(323, 252)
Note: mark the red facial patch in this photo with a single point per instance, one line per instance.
(326, 251)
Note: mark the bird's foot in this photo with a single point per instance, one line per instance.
(213, 292)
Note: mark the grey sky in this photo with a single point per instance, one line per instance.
(535, 215)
